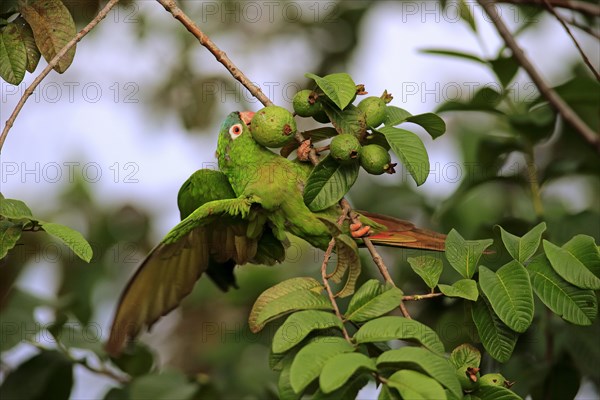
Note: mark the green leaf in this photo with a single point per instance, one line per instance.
(464, 288)
(292, 294)
(395, 115)
(432, 364)
(298, 325)
(340, 88)
(463, 254)
(411, 151)
(489, 392)
(390, 328)
(432, 123)
(453, 53)
(584, 248)
(46, 374)
(328, 182)
(135, 362)
(73, 239)
(165, 385)
(347, 260)
(309, 361)
(372, 300)
(53, 28)
(338, 369)
(346, 392)
(429, 268)
(387, 393)
(578, 306)
(415, 386)
(350, 121)
(14, 209)
(521, 249)
(18, 322)
(570, 268)
(9, 236)
(505, 69)
(465, 355)
(284, 385)
(497, 338)
(510, 294)
(13, 55)
(466, 15)
(26, 34)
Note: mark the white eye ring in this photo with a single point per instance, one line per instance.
(235, 131)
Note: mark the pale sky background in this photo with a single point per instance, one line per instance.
(80, 123)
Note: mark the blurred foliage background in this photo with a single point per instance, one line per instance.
(204, 349)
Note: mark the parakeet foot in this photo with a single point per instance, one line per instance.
(358, 230)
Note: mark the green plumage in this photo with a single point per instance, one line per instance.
(242, 214)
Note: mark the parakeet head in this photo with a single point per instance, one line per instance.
(235, 140)
(236, 124)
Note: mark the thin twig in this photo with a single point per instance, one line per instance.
(103, 370)
(376, 257)
(582, 27)
(219, 54)
(555, 100)
(325, 277)
(586, 60)
(416, 297)
(29, 91)
(575, 5)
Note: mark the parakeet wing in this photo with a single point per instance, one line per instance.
(169, 272)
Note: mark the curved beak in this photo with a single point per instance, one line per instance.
(246, 117)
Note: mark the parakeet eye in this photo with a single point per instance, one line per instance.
(235, 131)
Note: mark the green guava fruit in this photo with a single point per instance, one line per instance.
(345, 149)
(492, 379)
(273, 126)
(306, 104)
(375, 159)
(468, 378)
(374, 109)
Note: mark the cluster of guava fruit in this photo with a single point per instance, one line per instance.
(274, 127)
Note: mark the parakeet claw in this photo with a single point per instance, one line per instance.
(358, 230)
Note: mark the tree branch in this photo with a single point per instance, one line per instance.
(564, 24)
(575, 5)
(219, 54)
(29, 91)
(553, 98)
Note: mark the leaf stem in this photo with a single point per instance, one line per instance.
(30, 89)
(550, 94)
(220, 55)
(416, 297)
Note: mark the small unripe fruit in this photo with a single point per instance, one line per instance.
(374, 109)
(306, 104)
(468, 378)
(273, 126)
(345, 149)
(375, 159)
(493, 380)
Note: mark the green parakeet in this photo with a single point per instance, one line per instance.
(242, 214)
